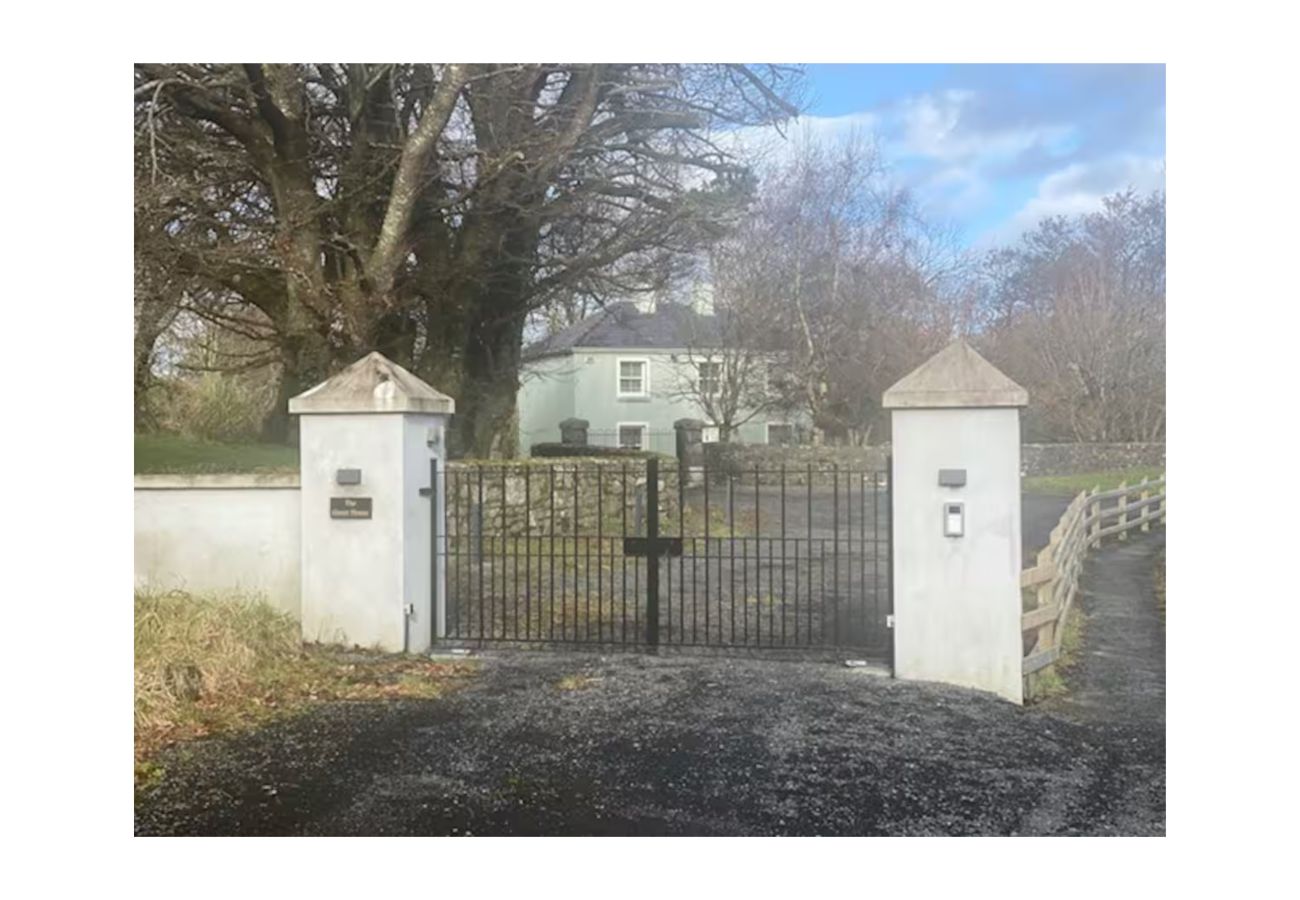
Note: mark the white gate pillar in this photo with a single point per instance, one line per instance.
(955, 425)
(367, 437)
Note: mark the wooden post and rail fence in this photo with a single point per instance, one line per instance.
(1090, 517)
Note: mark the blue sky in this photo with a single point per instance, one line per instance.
(990, 149)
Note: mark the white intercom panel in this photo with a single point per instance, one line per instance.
(954, 518)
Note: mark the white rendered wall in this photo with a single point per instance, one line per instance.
(222, 535)
(359, 574)
(957, 600)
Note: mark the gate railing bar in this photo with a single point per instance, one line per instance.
(831, 587)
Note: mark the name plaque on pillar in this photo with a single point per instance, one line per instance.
(350, 507)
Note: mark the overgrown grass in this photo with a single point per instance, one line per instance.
(205, 666)
(1052, 681)
(1085, 481)
(173, 454)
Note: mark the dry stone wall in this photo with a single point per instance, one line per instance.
(559, 497)
(740, 460)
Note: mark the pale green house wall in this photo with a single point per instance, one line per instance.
(545, 399)
(585, 384)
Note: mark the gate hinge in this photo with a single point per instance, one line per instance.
(409, 609)
(889, 621)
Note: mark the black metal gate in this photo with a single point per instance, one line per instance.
(638, 554)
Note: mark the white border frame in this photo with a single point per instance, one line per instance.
(619, 394)
(645, 433)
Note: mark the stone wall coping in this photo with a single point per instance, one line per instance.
(225, 481)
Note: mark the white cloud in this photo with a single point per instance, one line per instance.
(931, 126)
(1079, 188)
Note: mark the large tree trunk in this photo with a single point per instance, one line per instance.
(306, 362)
(483, 426)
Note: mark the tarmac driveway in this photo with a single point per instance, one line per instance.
(550, 743)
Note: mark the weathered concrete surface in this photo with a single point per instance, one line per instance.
(956, 376)
(579, 744)
(219, 534)
(372, 384)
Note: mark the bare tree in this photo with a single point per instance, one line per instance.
(729, 354)
(426, 210)
(1076, 313)
(848, 279)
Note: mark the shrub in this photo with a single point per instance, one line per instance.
(216, 406)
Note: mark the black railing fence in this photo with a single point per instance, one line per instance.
(639, 553)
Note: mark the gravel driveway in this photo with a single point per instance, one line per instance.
(551, 743)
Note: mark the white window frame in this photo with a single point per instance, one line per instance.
(645, 433)
(717, 378)
(644, 393)
(790, 425)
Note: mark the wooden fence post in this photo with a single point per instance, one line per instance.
(1164, 493)
(1122, 522)
(1046, 631)
(1094, 538)
(1146, 494)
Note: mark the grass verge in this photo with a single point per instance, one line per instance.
(208, 666)
(1085, 481)
(167, 454)
(1052, 681)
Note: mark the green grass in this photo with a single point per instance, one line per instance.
(1052, 681)
(173, 454)
(1085, 481)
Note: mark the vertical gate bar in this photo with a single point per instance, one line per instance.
(862, 553)
(623, 581)
(796, 592)
(758, 573)
(600, 551)
(464, 615)
(433, 561)
(483, 600)
(889, 551)
(707, 552)
(514, 581)
(744, 587)
(783, 551)
(731, 527)
(875, 554)
(681, 560)
(528, 552)
(808, 486)
(566, 582)
(581, 579)
(550, 597)
(652, 559)
(835, 546)
(848, 550)
(505, 562)
(821, 556)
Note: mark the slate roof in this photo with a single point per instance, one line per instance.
(672, 326)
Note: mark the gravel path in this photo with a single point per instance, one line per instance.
(550, 743)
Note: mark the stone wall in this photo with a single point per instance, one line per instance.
(739, 460)
(1069, 459)
(556, 497)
